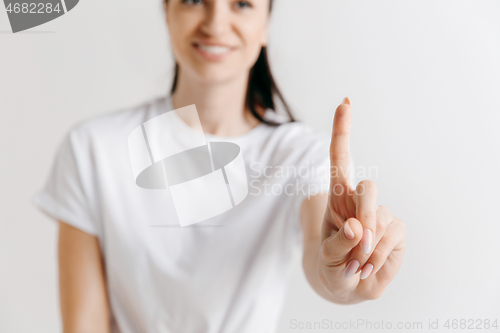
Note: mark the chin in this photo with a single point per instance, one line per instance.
(215, 73)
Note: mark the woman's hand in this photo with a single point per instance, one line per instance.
(362, 243)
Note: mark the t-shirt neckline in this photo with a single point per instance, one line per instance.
(167, 103)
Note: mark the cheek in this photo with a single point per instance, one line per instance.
(181, 29)
(252, 36)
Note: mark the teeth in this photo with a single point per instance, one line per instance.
(214, 49)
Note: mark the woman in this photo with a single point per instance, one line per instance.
(227, 274)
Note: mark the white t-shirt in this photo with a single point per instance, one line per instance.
(223, 275)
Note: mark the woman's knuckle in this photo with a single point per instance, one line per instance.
(377, 257)
(368, 184)
(375, 293)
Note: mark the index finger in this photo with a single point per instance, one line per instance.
(340, 159)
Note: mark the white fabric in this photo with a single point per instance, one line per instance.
(223, 275)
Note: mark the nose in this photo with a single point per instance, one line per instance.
(216, 18)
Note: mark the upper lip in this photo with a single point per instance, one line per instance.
(210, 43)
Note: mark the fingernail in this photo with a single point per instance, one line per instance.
(366, 241)
(366, 271)
(346, 101)
(348, 231)
(352, 267)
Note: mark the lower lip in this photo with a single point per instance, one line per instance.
(211, 56)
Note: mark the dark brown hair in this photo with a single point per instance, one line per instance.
(261, 86)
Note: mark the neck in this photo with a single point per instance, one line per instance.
(221, 106)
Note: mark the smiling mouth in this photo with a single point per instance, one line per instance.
(213, 50)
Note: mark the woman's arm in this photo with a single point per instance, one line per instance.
(82, 285)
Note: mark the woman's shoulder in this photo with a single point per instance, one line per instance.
(294, 141)
(297, 133)
(117, 122)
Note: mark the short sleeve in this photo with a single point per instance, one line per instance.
(68, 193)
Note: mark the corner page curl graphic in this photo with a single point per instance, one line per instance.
(27, 14)
(204, 179)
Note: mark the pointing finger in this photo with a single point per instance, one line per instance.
(339, 147)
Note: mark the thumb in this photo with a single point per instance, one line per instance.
(336, 248)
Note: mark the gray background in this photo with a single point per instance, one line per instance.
(424, 81)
